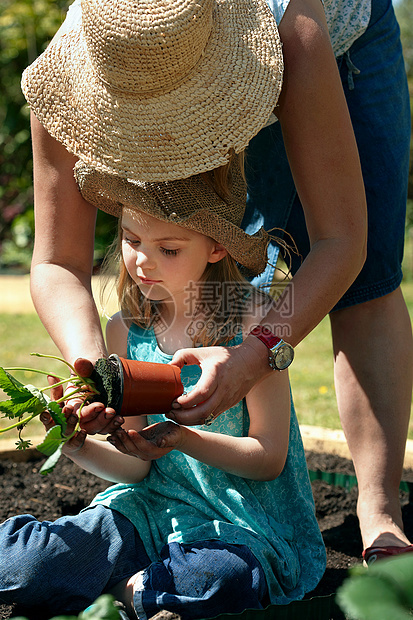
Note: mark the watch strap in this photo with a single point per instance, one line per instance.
(266, 336)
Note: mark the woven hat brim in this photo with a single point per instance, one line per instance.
(112, 194)
(169, 135)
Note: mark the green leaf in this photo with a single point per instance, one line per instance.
(9, 384)
(23, 398)
(51, 441)
(15, 410)
(51, 462)
(42, 398)
(57, 415)
(399, 571)
(102, 609)
(61, 618)
(368, 597)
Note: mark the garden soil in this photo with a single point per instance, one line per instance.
(68, 489)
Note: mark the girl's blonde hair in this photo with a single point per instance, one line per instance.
(222, 298)
(221, 301)
(220, 178)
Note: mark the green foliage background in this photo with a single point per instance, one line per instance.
(26, 27)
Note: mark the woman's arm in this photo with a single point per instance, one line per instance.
(63, 252)
(324, 160)
(260, 456)
(323, 157)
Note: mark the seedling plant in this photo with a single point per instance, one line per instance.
(26, 402)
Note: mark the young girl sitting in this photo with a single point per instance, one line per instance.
(204, 520)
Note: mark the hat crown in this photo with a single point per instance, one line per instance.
(145, 46)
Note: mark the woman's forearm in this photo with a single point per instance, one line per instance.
(64, 303)
(324, 161)
(316, 287)
(63, 251)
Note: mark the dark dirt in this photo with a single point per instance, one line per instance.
(69, 489)
(108, 382)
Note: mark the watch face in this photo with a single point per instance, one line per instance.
(284, 356)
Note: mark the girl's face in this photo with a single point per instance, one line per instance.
(164, 259)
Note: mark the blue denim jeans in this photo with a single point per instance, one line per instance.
(202, 580)
(375, 86)
(64, 565)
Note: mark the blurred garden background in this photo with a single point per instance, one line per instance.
(26, 27)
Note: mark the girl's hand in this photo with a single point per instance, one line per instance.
(228, 374)
(149, 444)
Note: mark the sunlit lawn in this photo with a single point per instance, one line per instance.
(312, 375)
(311, 372)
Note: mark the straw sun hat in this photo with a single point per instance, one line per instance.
(159, 89)
(191, 203)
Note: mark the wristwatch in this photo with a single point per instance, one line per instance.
(281, 353)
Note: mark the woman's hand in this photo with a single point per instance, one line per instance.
(228, 374)
(150, 443)
(95, 417)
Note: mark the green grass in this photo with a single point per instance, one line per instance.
(311, 373)
(312, 379)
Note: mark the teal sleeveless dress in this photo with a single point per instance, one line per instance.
(183, 500)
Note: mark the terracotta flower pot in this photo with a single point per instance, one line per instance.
(134, 387)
